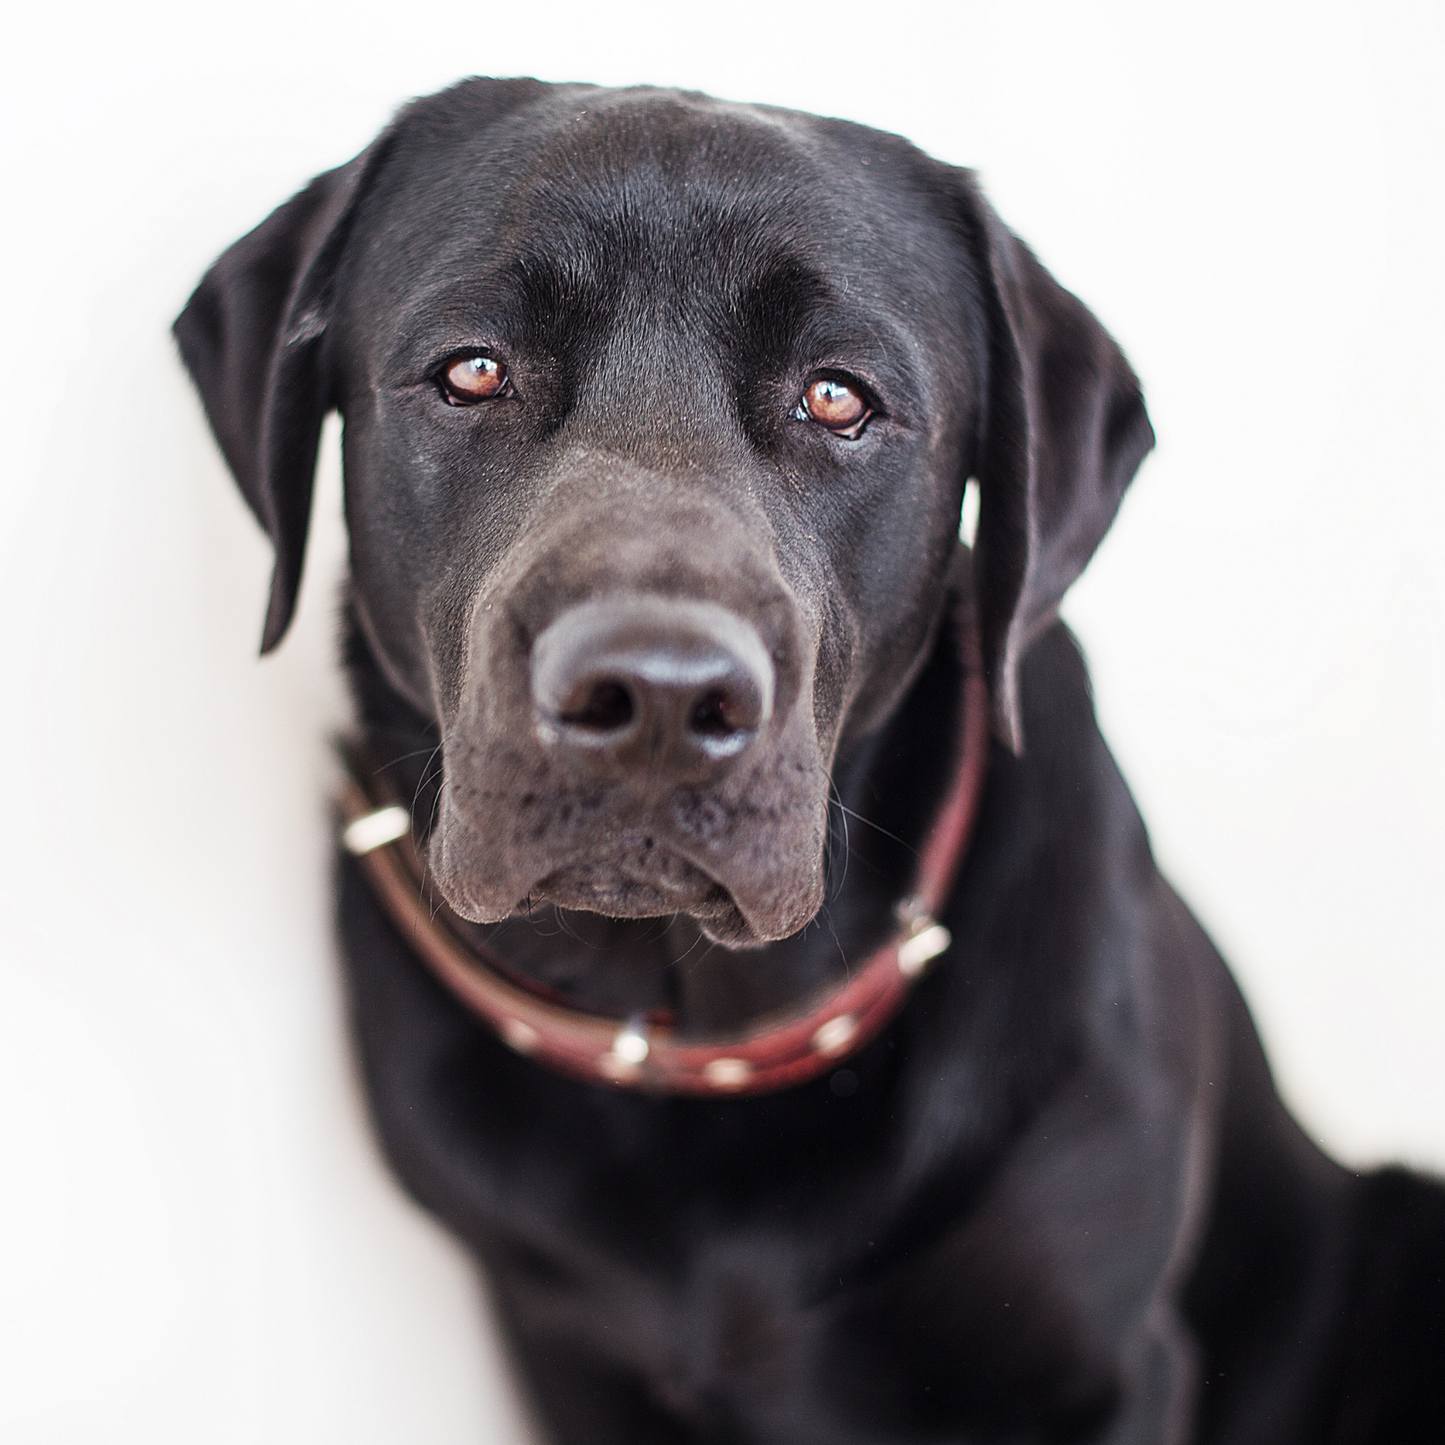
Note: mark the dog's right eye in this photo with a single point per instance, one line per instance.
(476, 377)
(837, 403)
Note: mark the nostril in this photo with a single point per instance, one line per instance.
(715, 716)
(607, 708)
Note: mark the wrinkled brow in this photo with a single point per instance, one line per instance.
(771, 311)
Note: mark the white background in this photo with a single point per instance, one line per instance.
(197, 1240)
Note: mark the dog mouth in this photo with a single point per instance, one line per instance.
(657, 884)
(636, 871)
(643, 879)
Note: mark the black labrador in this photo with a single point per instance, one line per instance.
(659, 414)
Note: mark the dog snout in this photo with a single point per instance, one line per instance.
(662, 688)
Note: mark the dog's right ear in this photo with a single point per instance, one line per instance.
(253, 338)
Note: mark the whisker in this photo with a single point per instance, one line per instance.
(424, 884)
(424, 780)
(847, 851)
(571, 932)
(877, 827)
(698, 962)
(405, 757)
(836, 797)
(683, 955)
(827, 917)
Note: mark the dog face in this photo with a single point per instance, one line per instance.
(658, 414)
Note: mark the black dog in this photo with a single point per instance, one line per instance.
(658, 418)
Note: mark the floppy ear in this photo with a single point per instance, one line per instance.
(253, 338)
(1063, 432)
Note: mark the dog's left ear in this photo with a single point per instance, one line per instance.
(253, 338)
(1062, 433)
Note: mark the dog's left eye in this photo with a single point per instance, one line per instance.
(476, 377)
(838, 404)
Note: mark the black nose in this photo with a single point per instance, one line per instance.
(652, 685)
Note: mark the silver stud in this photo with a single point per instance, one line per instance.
(629, 1052)
(727, 1073)
(918, 951)
(519, 1036)
(835, 1035)
(375, 830)
(630, 1045)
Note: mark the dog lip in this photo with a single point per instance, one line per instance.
(713, 908)
(647, 868)
(624, 893)
(617, 892)
(620, 892)
(613, 881)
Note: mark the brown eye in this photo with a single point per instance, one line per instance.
(836, 405)
(473, 378)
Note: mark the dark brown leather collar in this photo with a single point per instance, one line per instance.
(774, 1053)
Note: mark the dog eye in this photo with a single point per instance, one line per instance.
(473, 378)
(836, 404)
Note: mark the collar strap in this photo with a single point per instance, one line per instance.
(775, 1052)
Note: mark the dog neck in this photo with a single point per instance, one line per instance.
(885, 792)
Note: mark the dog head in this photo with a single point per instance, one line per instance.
(658, 416)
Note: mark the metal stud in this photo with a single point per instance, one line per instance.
(727, 1073)
(835, 1035)
(375, 830)
(916, 952)
(628, 1053)
(630, 1045)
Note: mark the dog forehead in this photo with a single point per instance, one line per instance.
(663, 184)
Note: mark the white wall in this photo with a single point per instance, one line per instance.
(198, 1240)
